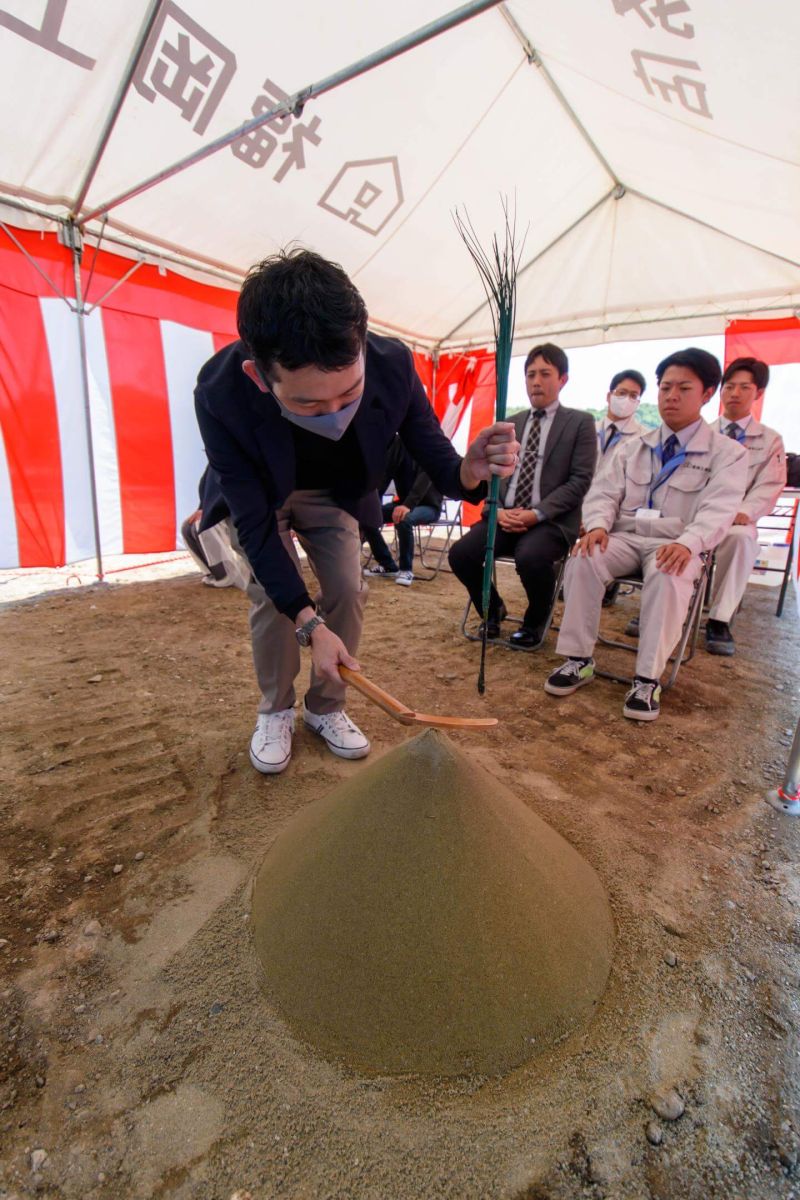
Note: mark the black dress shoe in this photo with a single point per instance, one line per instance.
(493, 623)
(719, 639)
(525, 638)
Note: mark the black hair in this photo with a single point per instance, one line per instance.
(297, 309)
(636, 376)
(758, 370)
(700, 362)
(551, 354)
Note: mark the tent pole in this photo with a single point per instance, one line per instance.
(75, 243)
(116, 105)
(294, 105)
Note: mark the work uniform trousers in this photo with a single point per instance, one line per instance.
(534, 553)
(664, 603)
(331, 540)
(735, 558)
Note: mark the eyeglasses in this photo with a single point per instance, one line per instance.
(625, 395)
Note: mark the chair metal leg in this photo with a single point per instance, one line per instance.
(786, 577)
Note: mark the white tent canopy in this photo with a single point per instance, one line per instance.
(651, 147)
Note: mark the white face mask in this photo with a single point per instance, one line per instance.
(623, 406)
(331, 425)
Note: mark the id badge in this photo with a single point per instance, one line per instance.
(647, 514)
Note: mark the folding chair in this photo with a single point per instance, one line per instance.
(474, 635)
(449, 521)
(687, 643)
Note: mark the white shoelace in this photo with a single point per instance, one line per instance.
(276, 727)
(339, 722)
(572, 667)
(643, 691)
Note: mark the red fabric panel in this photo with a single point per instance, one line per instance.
(423, 365)
(221, 340)
(144, 436)
(773, 341)
(17, 272)
(484, 397)
(29, 420)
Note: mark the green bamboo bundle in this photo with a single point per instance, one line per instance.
(498, 272)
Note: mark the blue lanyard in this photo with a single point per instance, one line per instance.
(665, 471)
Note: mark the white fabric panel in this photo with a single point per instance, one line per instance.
(61, 330)
(59, 104)
(9, 547)
(104, 439)
(781, 408)
(185, 351)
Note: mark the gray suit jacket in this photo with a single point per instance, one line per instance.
(568, 467)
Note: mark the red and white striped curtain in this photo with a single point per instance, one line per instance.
(145, 346)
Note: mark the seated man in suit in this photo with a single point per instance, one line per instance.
(619, 425)
(540, 505)
(296, 419)
(418, 503)
(743, 385)
(669, 496)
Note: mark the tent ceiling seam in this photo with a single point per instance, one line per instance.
(536, 258)
(535, 60)
(679, 212)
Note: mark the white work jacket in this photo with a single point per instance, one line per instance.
(766, 467)
(695, 505)
(626, 431)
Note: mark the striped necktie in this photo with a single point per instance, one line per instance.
(524, 493)
(670, 447)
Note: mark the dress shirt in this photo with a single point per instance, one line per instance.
(546, 423)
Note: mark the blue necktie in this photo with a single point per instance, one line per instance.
(670, 446)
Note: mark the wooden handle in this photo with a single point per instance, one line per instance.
(407, 716)
(377, 695)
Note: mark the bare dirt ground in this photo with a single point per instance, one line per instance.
(138, 1056)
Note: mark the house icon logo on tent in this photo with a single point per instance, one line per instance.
(366, 192)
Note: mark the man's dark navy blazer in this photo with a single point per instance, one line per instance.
(250, 450)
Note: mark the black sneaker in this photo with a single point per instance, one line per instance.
(719, 639)
(570, 676)
(642, 701)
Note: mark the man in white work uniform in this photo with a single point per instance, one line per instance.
(668, 497)
(619, 425)
(743, 386)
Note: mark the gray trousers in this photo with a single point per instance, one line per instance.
(664, 603)
(331, 539)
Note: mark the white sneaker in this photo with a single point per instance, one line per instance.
(271, 744)
(406, 578)
(338, 731)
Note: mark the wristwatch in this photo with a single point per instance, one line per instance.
(304, 632)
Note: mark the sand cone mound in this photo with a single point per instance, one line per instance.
(421, 918)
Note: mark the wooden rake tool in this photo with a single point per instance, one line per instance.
(407, 716)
